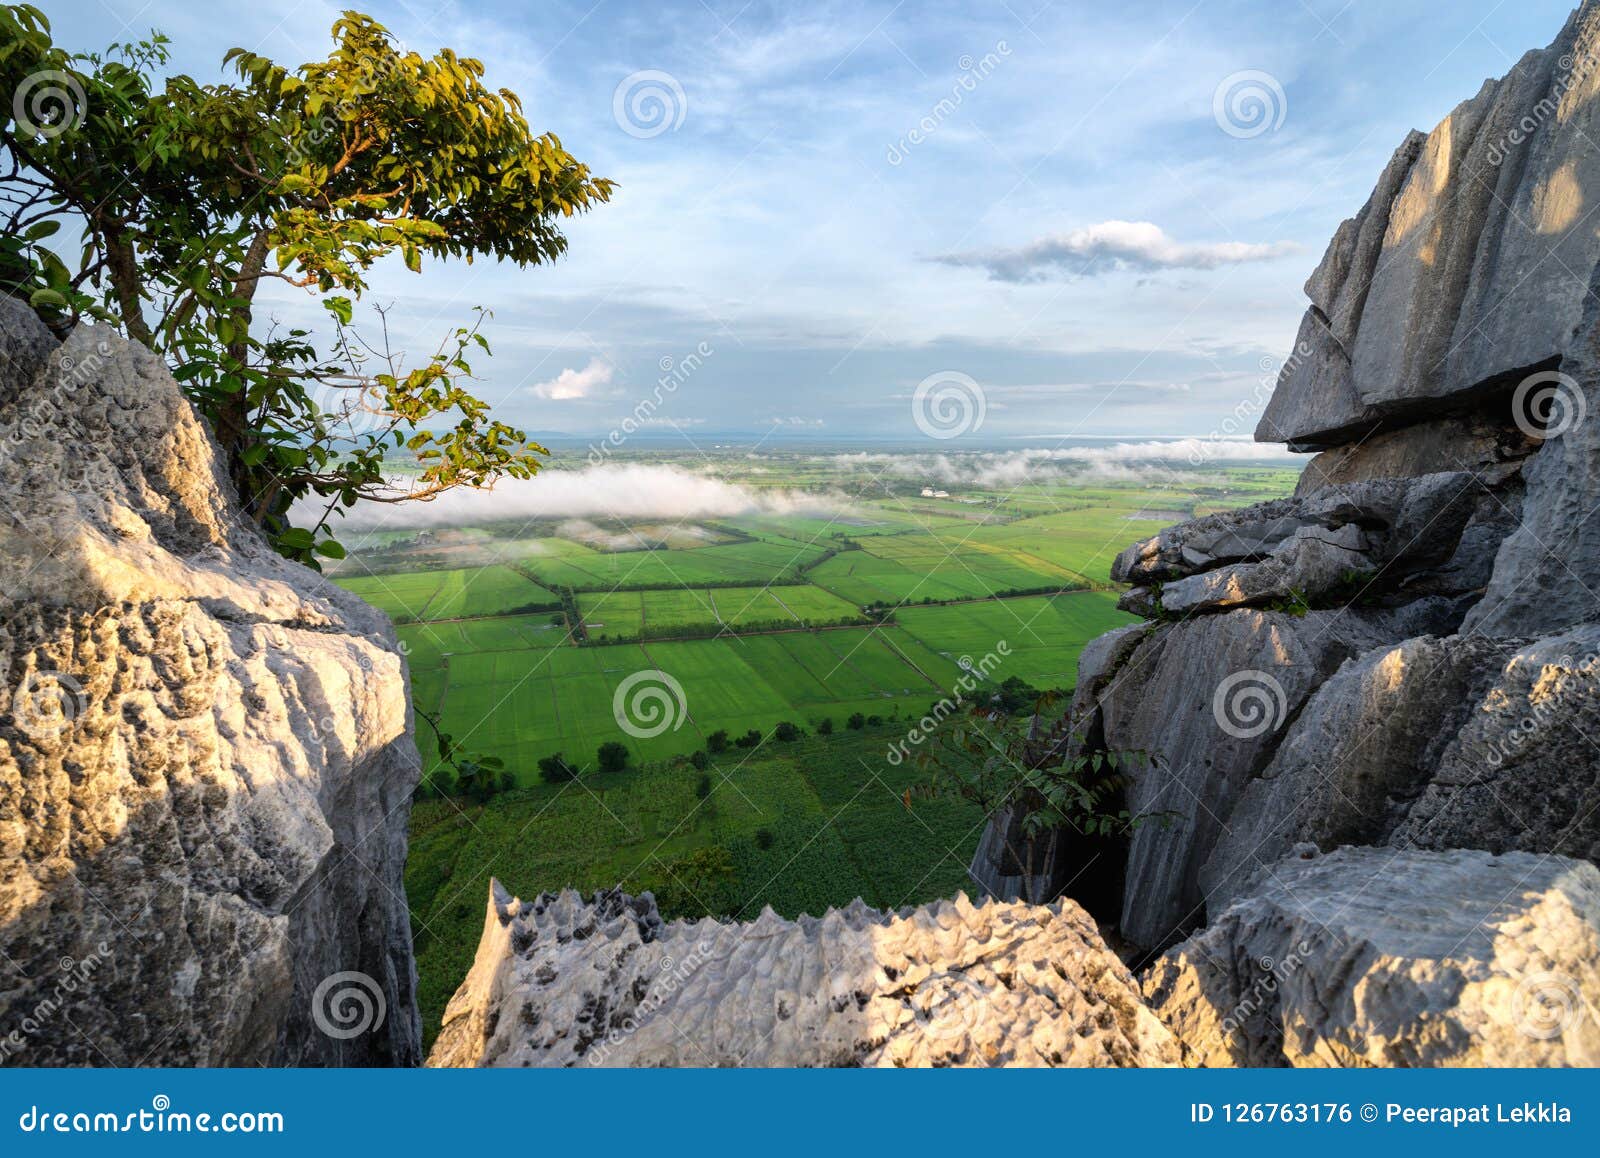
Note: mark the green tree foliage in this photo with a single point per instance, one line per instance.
(701, 760)
(612, 756)
(556, 770)
(989, 759)
(717, 741)
(189, 196)
(787, 732)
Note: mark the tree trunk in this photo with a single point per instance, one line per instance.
(123, 266)
(233, 417)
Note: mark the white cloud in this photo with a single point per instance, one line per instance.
(570, 384)
(1110, 246)
(610, 491)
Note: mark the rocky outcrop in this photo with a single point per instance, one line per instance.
(1402, 655)
(1466, 269)
(1394, 958)
(1367, 537)
(206, 758)
(560, 981)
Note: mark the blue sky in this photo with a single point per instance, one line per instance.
(1073, 227)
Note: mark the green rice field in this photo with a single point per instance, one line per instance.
(833, 630)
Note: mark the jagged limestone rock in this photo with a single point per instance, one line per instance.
(1483, 264)
(560, 981)
(1392, 957)
(206, 757)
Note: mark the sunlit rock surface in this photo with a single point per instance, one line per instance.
(206, 757)
(1469, 263)
(561, 981)
(1392, 957)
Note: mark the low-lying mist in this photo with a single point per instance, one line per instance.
(622, 492)
(1135, 462)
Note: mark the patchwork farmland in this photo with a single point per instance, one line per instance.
(787, 651)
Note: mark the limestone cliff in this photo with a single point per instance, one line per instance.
(206, 758)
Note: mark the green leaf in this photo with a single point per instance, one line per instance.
(340, 307)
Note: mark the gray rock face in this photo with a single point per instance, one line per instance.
(1476, 443)
(1394, 958)
(1523, 771)
(1547, 573)
(1210, 700)
(559, 981)
(1468, 266)
(1363, 749)
(206, 757)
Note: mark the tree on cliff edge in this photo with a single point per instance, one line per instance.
(188, 196)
